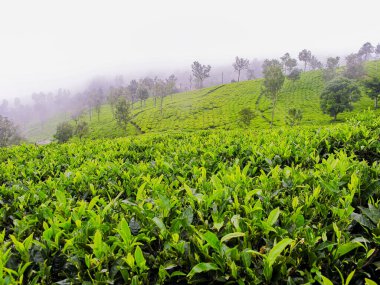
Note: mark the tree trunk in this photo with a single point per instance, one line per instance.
(376, 102)
(304, 69)
(239, 75)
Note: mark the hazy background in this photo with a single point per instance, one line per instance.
(46, 45)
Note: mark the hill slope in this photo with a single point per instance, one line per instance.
(218, 107)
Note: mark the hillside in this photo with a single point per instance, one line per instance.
(216, 107)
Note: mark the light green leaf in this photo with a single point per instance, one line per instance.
(227, 237)
(124, 231)
(369, 282)
(277, 249)
(212, 240)
(202, 267)
(349, 277)
(273, 216)
(139, 257)
(160, 224)
(326, 281)
(346, 248)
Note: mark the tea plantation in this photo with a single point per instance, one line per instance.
(286, 206)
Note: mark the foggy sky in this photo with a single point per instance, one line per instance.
(48, 44)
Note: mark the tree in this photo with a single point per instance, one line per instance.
(273, 81)
(250, 74)
(295, 74)
(305, 56)
(8, 132)
(200, 72)
(122, 113)
(246, 116)
(240, 64)
(112, 97)
(294, 117)
(332, 64)
(377, 51)
(171, 84)
(132, 88)
(64, 132)
(354, 66)
(372, 88)
(81, 129)
(315, 63)
(338, 96)
(142, 93)
(366, 50)
(288, 63)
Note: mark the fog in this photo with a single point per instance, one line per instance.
(49, 46)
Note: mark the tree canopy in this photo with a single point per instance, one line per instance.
(338, 96)
(200, 72)
(240, 64)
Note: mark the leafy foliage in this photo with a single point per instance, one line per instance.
(9, 134)
(64, 132)
(122, 113)
(246, 116)
(294, 117)
(338, 96)
(245, 207)
(200, 72)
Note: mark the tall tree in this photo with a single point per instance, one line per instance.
(273, 82)
(240, 64)
(132, 88)
(142, 94)
(122, 113)
(372, 87)
(171, 85)
(332, 64)
(8, 132)
(315, 63)
(354, 66)
(288, 63)
(377, 51)
(338, 96)
(366, 50)
(250, 74)
(200, 72)
(305, 56)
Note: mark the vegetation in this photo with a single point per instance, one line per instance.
(65, 131)
(273, 82)
(372, 87)
(246, 116)
(122, 113)
(295, 205)
(200, 72)
(9, 134)
(239, 65)
(294, 117)
(338, 96)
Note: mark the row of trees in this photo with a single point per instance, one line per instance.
(342, 88)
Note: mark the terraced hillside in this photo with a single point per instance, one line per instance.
(218, 107)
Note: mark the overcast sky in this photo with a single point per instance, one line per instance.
(47, 44)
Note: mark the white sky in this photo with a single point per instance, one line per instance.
(47, 44)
